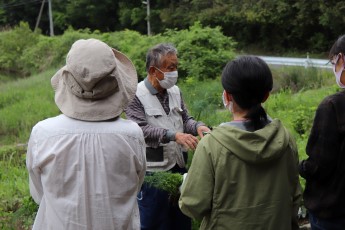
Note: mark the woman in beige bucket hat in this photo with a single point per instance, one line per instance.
(87, 164)
(93, 85)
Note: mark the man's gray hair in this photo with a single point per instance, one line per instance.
(155, 54)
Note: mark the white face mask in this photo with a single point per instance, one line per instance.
(170, 79)
(338, 74)
(230, 106)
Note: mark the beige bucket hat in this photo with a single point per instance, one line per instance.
(96, 83)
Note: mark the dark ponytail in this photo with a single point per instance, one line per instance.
(249, 80)
(258, 116)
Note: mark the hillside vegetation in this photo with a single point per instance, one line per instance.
(274, 26)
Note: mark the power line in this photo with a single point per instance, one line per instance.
(16, 4)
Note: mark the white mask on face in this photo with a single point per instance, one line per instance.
(170, 79)
(230, 106)
(338, 74)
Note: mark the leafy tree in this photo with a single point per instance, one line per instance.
(270, 25)
(132, 15)
(93, 14)
(332, 18)
(2, 16)
(12, 12)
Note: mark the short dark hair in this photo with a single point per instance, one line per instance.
(338, 47)
(155, 54)
(249, 79)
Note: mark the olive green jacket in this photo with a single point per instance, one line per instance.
(244, 180)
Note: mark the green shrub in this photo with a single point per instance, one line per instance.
(35, 52)
(303, 119)
(41, 56)
(12, 45)
(50, 52)
(134, 46)
(203, 51)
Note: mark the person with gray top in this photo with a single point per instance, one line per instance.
(169, 132)
(87, 165)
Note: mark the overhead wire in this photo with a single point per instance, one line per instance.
(16, 4)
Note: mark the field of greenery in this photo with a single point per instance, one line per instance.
(26, 96)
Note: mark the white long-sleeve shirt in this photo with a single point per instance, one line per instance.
(85, 175)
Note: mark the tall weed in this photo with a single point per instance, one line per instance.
(300, 78)
(14, 188)
(204, 100)
(296, 110)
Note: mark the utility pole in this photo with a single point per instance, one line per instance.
(50, 18)
(147, 3)
(39, 16)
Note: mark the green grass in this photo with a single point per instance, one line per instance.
(26, 101)
(22, 104)
(14, 191)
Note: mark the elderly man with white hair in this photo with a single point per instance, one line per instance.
(169, 131)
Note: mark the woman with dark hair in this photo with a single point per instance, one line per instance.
(324, 169)
(247, 81)
(244, 174)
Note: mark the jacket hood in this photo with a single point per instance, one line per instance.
(257, 147)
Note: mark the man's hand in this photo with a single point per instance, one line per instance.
(202, 129)
(188, 141)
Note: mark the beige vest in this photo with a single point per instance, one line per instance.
(156, 116)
